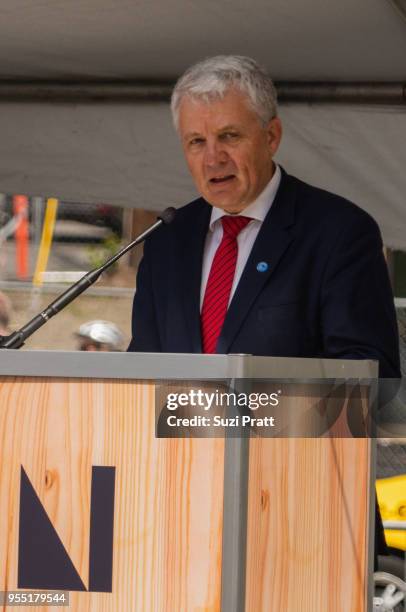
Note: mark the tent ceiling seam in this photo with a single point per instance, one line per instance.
(135, 91)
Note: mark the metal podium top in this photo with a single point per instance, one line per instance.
(76, 364)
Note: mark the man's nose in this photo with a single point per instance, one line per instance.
(215, 154)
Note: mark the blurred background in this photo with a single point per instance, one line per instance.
(40, 256)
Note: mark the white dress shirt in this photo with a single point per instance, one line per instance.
(245, 239)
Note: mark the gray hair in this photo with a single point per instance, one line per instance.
(211, 79)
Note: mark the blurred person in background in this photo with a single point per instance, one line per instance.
(99, 336)
(5, 314)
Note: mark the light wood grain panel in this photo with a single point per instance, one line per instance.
(307, 524)
(168, 508)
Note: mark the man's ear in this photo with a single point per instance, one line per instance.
(274, 131)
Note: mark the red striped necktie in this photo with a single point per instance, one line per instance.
(220, 281)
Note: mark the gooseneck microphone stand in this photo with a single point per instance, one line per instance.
(17, 338)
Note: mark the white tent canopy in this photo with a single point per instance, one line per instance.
(127, 153)
(312, 40)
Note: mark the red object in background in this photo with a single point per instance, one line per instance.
(20, 208)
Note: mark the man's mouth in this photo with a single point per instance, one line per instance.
(222, 179)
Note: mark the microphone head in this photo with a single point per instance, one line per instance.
(167, 215)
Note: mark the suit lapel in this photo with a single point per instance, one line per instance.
(272, 241)
(190, 247)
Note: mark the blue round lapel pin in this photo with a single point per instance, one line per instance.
(262, 266)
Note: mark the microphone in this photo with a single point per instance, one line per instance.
(167, 215)
(17, 338)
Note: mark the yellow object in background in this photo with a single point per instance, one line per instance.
(391, 493)
(46, 240)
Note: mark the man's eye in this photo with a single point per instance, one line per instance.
(196, 141)
(229, 136)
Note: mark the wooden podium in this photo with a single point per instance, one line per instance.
(91, 502)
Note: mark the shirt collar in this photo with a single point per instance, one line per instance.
(259, 208)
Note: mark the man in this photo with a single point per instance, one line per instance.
(262, 263)
(5, 314)
(308, 276)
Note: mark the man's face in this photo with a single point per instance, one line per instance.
(228, 151)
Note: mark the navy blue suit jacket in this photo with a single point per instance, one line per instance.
(326, 291)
